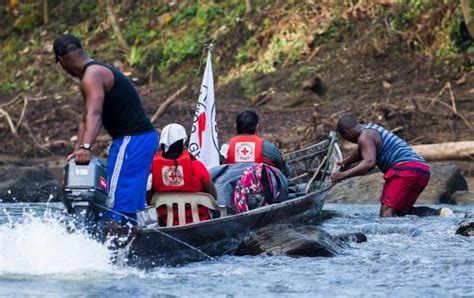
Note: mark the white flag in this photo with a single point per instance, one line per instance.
(203, 141)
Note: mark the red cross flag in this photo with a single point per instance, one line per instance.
(203, 141)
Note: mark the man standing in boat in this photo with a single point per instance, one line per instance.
(247, 146)
(406, 173)
(111, 100)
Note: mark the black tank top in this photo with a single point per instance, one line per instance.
(122, 112)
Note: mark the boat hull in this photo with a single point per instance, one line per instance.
(154, 246)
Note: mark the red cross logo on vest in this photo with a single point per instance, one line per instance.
(173, 176)
(245, 152)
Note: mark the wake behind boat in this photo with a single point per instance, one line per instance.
(152, 245)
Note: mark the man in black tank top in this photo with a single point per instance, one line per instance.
(111, 101)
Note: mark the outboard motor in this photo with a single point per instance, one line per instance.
(85, 190)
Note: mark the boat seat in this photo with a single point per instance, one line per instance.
(182, 199)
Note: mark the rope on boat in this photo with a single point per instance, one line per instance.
(162, 233)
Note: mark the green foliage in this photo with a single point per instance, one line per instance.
(186, 14)
(470, 50)
(136, 56)
(138, 32)
(285, 46)
(29, 16)
(207, 14)
(7, 87)
(411, 10)
(278, 34)
(86, 7)
(249, 84)
(179, 48)
(458, 37)
(201, 14)
(458, 32)
(302, 73)
(242, 56)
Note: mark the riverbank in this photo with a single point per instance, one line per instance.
(408, 66)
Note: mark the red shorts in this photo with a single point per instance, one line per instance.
(404, 183)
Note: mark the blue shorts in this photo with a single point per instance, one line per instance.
(123, 218)
(128, 165)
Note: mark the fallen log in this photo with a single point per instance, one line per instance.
(446, 151)
(438, 152)
(169, 101)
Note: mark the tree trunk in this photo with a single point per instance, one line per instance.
(446, 151)
(468, 11)
(115, 26)
(45, 12)
(248, 6)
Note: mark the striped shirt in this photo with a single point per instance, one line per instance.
(392, 150)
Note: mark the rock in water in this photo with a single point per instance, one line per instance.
(463, 198)
(466, 229)
(305, 240)
(351, 237)
(446, 178)
(28, 184)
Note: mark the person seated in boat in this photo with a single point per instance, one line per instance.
(247, 146)
(406, 173)
(174, 169)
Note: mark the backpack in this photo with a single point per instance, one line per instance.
(258, 186)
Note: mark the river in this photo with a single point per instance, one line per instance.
(403, 257)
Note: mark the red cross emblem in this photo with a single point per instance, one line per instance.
(245, 152)
(173, 176)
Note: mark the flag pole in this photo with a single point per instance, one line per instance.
(203, 141)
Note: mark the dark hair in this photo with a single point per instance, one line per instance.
(346, 122)
(246, 122)
(174, 151)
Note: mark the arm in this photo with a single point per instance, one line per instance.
(80, 133)
(149, 188)
(203, 175)
(272, 153)
(210, 188)
(353, 157)
(92, 89)
(368, 152)
(223, 152)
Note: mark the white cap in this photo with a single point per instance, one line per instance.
(172, 133)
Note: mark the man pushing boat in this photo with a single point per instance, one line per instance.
(406, 173)
(111, 101)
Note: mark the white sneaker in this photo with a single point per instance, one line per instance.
(446, 212)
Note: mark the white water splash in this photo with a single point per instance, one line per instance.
(39, 246)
